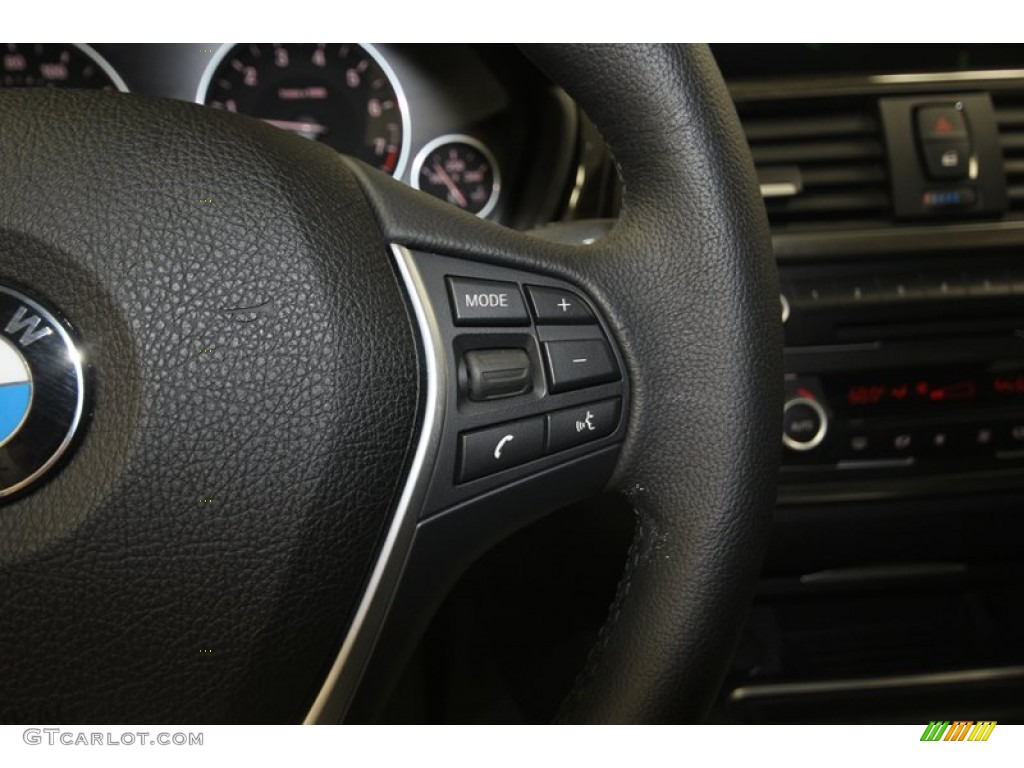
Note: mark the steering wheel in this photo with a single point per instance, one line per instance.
(276, 448)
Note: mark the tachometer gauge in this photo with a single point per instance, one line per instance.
(56, 65)
(460, 170)
(342, 94)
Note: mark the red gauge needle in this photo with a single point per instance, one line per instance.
(298, 126)
(460, 199)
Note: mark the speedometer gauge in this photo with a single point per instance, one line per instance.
(56, 65)
(341, 94)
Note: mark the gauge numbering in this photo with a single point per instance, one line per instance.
(460, 170)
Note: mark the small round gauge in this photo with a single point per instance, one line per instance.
(461, 170)
(342, 94)
(56, 65)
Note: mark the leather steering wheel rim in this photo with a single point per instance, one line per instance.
(689, 283)
(163, 230)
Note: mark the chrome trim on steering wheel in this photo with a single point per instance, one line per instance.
(335, 696)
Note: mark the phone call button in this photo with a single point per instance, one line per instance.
(493, 449)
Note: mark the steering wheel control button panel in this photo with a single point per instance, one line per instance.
(554, 305)
(496, 448)
(579, 363)
(575, 426)
(532, 396)
(804, 424)
(486, 302)
(496, 373)
(42, 390)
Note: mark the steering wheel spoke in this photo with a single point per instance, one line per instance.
(525, 400)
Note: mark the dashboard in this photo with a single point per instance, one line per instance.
(893, 179)
(477, 127)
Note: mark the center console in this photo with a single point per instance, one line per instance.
(895, 574)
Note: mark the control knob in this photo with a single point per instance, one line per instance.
(804, 424)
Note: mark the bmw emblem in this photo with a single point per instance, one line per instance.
(42, 390)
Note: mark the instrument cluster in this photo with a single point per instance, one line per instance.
(443, 119)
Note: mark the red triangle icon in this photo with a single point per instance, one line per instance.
(942, 125)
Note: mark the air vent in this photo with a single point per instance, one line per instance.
(819, 161)
(1010, 117)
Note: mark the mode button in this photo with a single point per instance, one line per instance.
(486, 302)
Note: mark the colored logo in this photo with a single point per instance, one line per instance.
(42, 390)
(15, 390)
(960, 730)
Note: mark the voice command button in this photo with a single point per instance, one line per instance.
(582, 424)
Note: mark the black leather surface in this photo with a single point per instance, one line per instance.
(688, 280)
(199, 557)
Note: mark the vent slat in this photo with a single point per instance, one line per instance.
(1010, 117)
(847, 202)
(815, 127)
(819, 160)
(843, 175)
(816, 152)
(1013, 142)
(1009, 111)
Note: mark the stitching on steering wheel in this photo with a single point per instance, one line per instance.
(586, 674)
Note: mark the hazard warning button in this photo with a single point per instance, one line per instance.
(943, 123)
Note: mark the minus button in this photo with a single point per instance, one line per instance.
(579, 363)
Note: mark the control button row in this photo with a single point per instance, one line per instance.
(493, 449)
(492, 302)
(492, 374)
(933, 441)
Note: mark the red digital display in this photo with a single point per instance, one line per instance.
(897, 391)
(911, 391)
(1008, 385)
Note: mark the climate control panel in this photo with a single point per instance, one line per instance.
(903, 422)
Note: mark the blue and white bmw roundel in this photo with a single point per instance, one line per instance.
(15, 390)
(42, 390)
